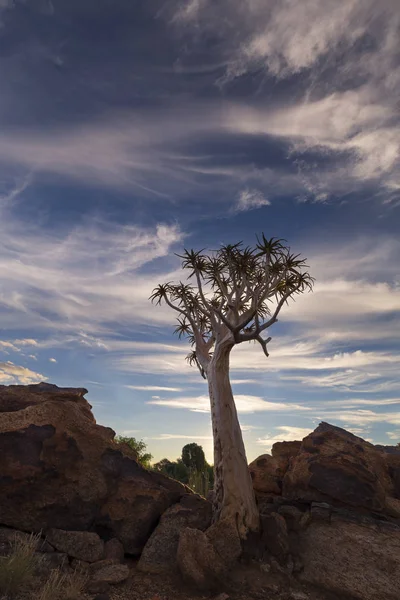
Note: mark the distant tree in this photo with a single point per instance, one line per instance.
(140, 447)
(175, 469)
(238, 294)
(193, 457)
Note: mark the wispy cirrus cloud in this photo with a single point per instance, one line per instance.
(244, 404)
(82, 278)
(343, 126)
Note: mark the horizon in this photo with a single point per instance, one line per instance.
(132, 132)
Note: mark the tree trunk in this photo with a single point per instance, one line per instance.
(233, 489)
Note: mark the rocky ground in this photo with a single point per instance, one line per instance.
(248, 582)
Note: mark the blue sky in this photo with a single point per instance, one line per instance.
(132, 129)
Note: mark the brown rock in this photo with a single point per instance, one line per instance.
(100, 564)
(286, 450)
(114, 549)
(77, 544)
(111, 574)
(61, 470)
(334, 464)
(275, 536)
(267, 474)
(351, 559)
(292, 515)
(159, 554)
(224, 537)
(267, 471)
(97, 587)
(198, 561)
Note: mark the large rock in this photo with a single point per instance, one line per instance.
(335, 465)
(81, 545)
(275, 536)
(159, 554)
(198, 561)
(59, 469)
(267, 471)
(352, 559)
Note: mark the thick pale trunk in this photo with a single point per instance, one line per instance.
(233, 490)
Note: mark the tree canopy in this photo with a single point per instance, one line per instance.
(236, 286)
(140, 447)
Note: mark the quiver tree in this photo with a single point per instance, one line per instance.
(236, 295)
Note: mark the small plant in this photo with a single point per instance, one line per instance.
(18, 568)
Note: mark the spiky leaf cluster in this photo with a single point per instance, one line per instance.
(240, 289)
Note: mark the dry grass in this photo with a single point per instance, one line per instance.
(64, 586)
(18, 569)
(75, 585)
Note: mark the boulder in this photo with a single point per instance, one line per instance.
(159, 553)
(352, 559)
(391, 455)
(110, 574)
(285, 450)
(114, 549)
(267, 474)
(334, 465)
(59, 469)
(275, 536)
(225, 539)
(267, 471)
(293, 516)
(77, 544)
(198, 561)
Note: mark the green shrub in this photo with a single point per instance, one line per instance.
(18, 568)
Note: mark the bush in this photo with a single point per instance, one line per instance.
(18, 569)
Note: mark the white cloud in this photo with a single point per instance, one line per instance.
(244, 381)
(250, 199)
(53, 360)
(12, 373)
(153, 388)
(361, 417)
(6, 346)
(284, 433)
(26, 342)
(244, 404)
(130, 431)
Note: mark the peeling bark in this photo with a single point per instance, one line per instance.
(234, 498)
